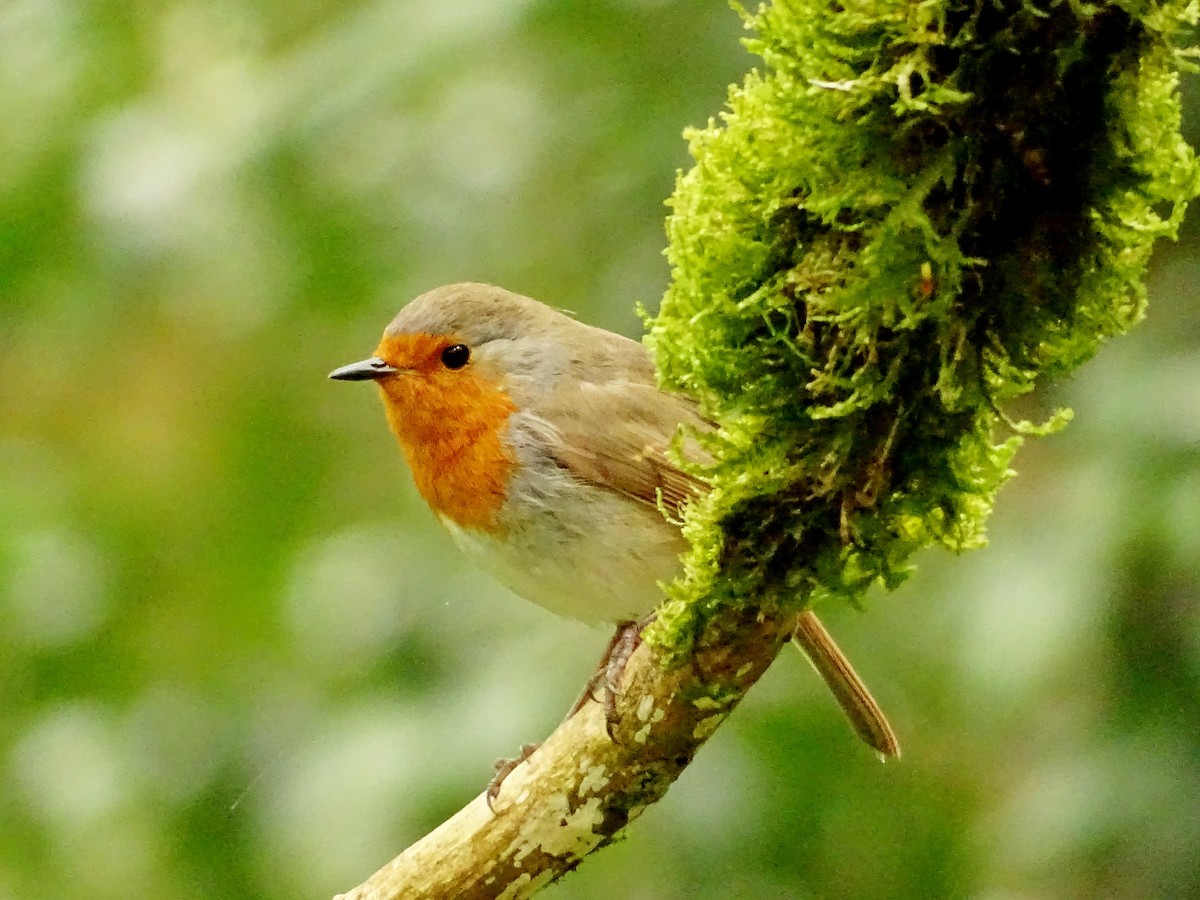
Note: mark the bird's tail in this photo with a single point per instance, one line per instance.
(860, 708)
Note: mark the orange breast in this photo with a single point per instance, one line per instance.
(451, 426)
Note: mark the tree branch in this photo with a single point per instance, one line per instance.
(580, 789)
(911, 215)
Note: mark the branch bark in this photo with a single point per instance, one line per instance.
(580, 789)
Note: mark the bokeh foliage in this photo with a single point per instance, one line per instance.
(238, 660)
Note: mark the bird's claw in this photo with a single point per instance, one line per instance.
(612, 670)
(604, 686)
(501, 769)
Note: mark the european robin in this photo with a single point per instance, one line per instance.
(541, 444)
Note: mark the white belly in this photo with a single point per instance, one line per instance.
(599, 561)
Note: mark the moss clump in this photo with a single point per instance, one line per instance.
(909, 216)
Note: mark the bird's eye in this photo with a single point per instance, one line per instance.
(455, 356)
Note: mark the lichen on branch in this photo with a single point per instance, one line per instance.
(912, 214)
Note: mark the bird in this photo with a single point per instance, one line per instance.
(542, 444)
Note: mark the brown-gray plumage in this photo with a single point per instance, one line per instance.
(574, 434)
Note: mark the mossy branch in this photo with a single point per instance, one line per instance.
(913, 214)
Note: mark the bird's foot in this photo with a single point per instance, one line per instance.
(501, 769)
(604, 686)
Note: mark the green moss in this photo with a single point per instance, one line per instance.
(908, 217)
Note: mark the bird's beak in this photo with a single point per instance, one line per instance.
(365, 370)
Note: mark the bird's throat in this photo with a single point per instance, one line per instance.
(453, 435)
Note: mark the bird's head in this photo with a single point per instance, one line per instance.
(452, 367)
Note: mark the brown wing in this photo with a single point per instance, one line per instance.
(616, 436)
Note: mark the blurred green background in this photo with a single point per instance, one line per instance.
(238, 658)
